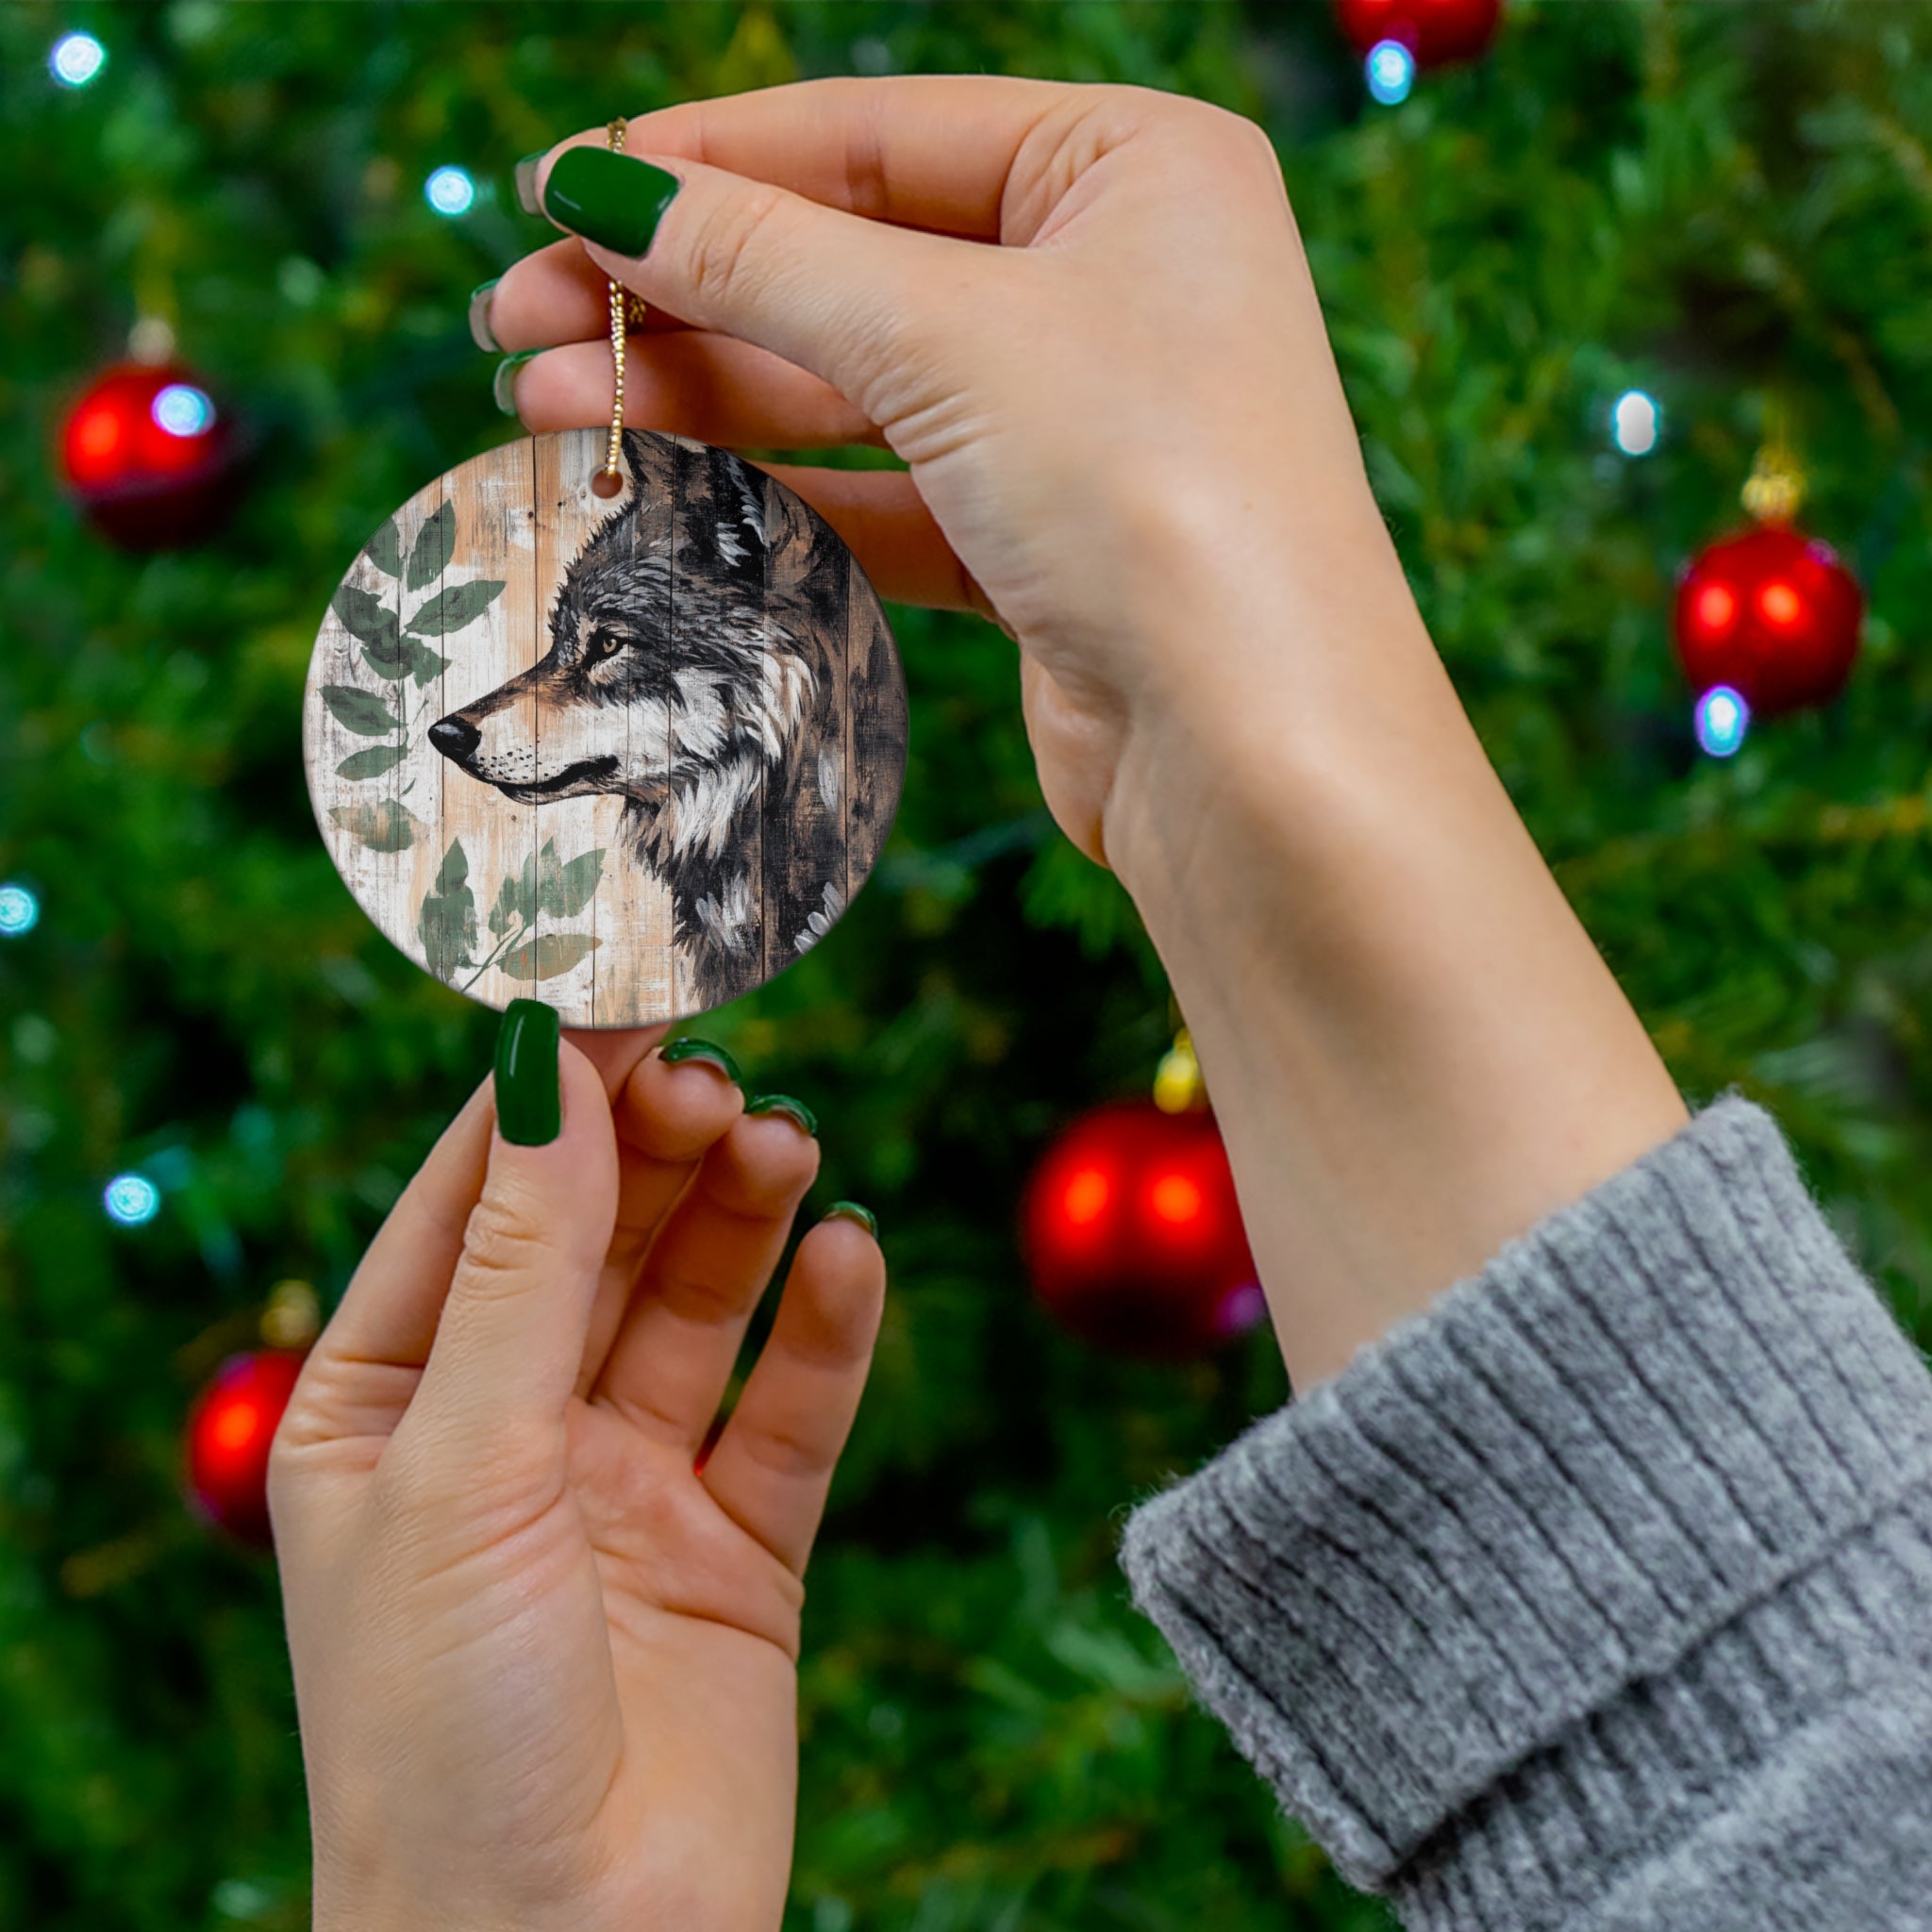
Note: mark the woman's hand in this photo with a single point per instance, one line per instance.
(545, 1668)
(1129, 398)
(1083, 317)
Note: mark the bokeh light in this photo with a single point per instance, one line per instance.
(450, 192)
(1722, 719)
(20, 911)
(1716, 606)
(1635, 423)
(132, 1200)
(77, 60)
(1088, 1193)
(1391, 71)
(182, 409)
(1175, 1199)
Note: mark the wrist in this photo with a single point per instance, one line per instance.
(1414, 1050)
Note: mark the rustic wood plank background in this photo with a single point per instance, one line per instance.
(413, 839)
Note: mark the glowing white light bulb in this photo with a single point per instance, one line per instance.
(1722, 719)
(77, 60)
(450, 192)
(20, 911)
(182, 409)
(1390, 71)
(132, 1200)
(1635, 423)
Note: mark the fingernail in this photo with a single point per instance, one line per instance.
(851, 1211)
(480, 331)
(502, 385)
(526, 183)
(678, 1051)
(795, 1111)
(608, 198)
(529, 1103)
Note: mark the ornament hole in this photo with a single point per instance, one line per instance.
(607, 483)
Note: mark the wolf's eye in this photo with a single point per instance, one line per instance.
(603, 644)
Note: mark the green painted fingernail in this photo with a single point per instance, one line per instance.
(480, 331)
(608, 198)
(525, 176)
(851, 1211)
(529, 1100)
(794, 1110)
(502, 385)
(679, 1051)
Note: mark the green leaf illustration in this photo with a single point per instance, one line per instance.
(424, 662)
(373, 762)
(566, 890)
(360, 711)
(382, 826)
(389, 659)
(447, 923)
(365, 616)
(408, 658)
(525, 903)
(503, 915)
(386, 550)
(435, 540)
(550, 953)
(451, 609)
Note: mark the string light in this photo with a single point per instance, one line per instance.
(450, 192)
(1635, 423)
(132, 1200)
(77, 60)
(1391, 71)
(20, 911)
(182, 409)
(1722, 719)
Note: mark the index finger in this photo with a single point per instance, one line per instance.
(918, 150)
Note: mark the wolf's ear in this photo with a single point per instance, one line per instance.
(649, 459)
(736, 506)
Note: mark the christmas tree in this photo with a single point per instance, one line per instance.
(1721, 212)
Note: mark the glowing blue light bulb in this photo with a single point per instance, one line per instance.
(132, 1200)
(182, 409)
(1722, 719)
(1635, 423)
(450, 192)
(20, 911)
(77, 60)
(1390, 71)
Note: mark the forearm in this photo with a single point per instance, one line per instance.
(1414, 1050)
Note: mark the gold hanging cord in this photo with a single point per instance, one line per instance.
(627, 312)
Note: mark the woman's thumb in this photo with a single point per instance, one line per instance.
(828, 290)
(510, 1339)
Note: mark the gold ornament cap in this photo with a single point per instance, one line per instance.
(292, 1318)
(1774, 492)
(1178, 1084)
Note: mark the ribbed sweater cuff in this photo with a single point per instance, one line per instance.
(1528, 1547)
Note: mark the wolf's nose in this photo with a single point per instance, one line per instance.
(454, 738)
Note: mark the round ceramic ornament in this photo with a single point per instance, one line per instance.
(631, 753)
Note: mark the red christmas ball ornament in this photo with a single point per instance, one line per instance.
(229, 1431)
(1133, 1236)
(1435, 31)
(149, 457)
(1771, 613)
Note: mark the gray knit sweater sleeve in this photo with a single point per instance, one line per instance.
(1600, 1596)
